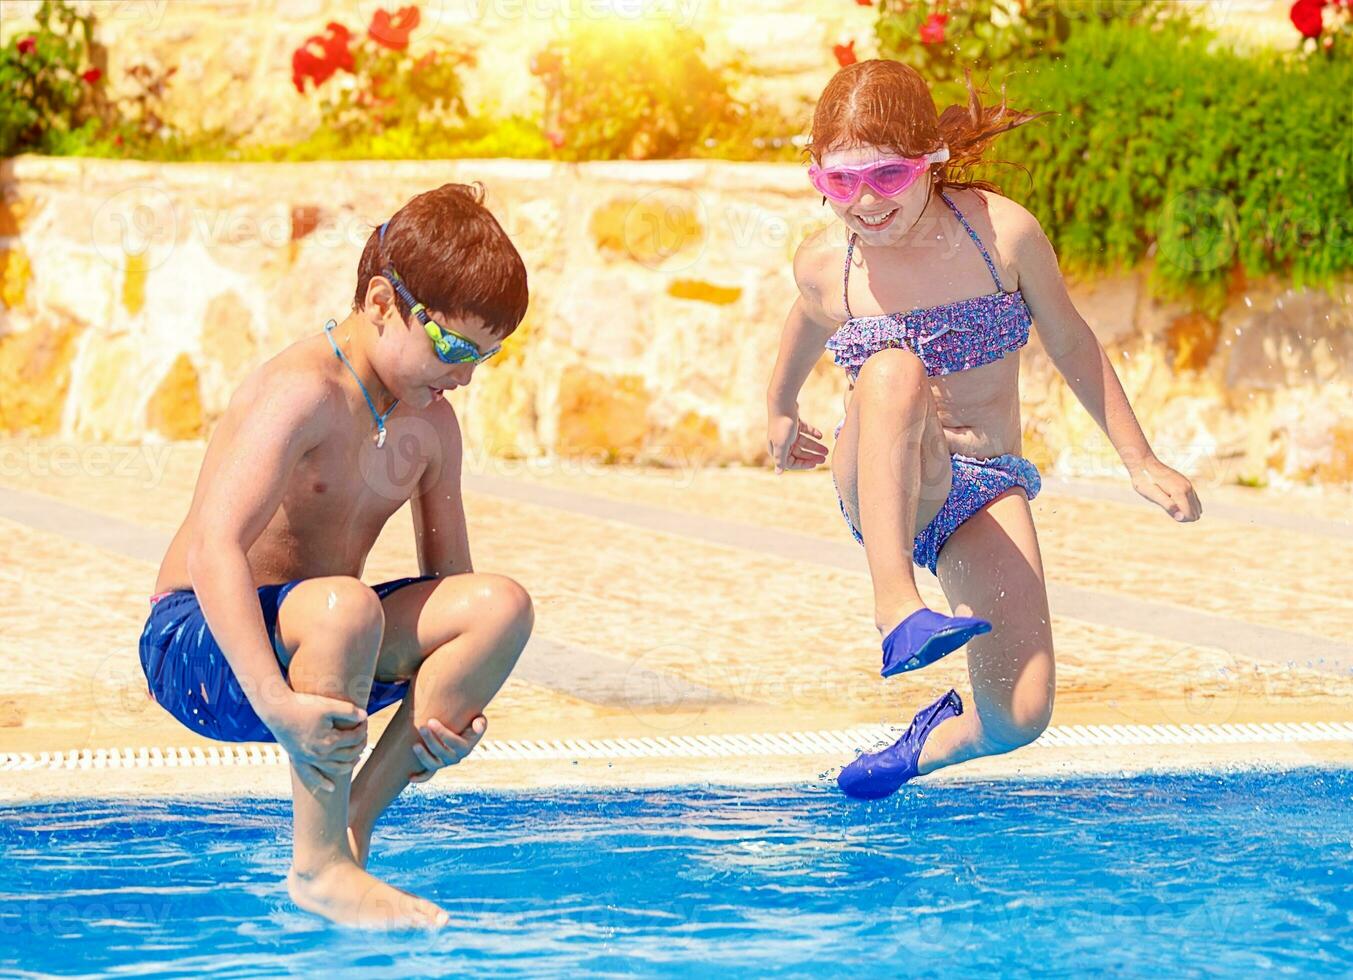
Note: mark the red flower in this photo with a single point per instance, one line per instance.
(864, 3)
(91, 75)
(1305, 16)
(320, 56)
(393, 31)
(845, 54)
(556, 138)
(27, 44)
(932, 28)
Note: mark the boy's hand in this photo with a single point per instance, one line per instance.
(442, 747)
(1168, 488)
(794, 444)
(324, 737)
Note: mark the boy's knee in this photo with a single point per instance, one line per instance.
(343, 607)
(504, 606)
(510, 599)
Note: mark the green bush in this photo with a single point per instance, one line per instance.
(1171, 147)
(478, 137)
(636, 89)
(48, 96)
(941, 39)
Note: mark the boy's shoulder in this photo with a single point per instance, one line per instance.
(441, 415)
(294, 381)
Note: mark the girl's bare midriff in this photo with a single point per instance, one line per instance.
(979, 408)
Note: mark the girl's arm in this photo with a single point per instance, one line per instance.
(793, 443)
(1079, 357)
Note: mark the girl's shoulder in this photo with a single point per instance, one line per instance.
(1007, 228)
(990, 212)
(820, 246)
(819, 266)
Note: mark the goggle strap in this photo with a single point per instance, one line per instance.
(420, 311)
(415, 307)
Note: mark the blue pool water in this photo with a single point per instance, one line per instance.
(1231, 874)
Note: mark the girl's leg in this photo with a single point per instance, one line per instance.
(330, 631)
(992, 566)
(892, 467)
(458, 638)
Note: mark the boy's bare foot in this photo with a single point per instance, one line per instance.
(348, 895)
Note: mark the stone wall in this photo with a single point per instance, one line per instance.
(134, 297)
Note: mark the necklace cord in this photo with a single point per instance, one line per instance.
(380, 419)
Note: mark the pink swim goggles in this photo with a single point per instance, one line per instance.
(887, 178)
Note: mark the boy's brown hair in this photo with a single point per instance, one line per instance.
(453, 256)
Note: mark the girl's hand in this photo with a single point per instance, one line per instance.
(794, 444)
(1168, 488)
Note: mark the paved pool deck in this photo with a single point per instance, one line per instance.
(665, 602)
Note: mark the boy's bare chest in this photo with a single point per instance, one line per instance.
(352, 483)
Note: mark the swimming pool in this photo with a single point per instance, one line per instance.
(1229, 873)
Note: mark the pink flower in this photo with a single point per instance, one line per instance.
(556, 138)
(932, 28)
(26, 45)
(845, 54)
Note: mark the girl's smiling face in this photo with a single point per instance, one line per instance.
(878, 220)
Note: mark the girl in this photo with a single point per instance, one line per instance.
(926, 460)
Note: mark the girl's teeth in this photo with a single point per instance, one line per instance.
(875, 219)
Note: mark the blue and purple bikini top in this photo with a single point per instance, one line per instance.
(947, 338)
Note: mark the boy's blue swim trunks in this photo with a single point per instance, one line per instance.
(189, 677)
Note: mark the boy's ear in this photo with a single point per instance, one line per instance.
(380, 300)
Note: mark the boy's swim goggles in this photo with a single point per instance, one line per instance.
(450, 347)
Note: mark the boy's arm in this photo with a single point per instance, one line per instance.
(271, 433)
(1080, 358)
(793, 444)
(439, 529)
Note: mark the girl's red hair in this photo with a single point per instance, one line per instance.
(888, 104)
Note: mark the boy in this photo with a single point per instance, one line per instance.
(261, 629)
